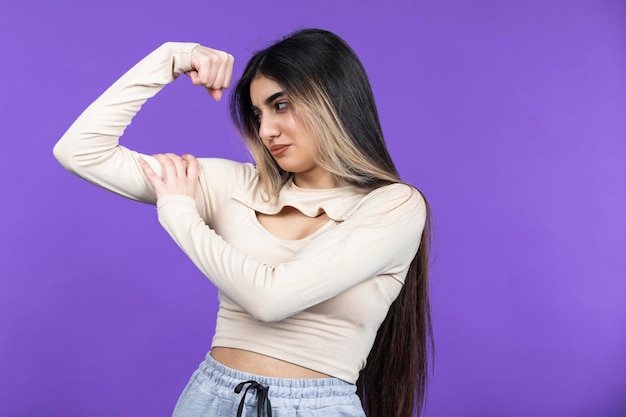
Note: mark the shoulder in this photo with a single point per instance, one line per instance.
(221, 163)
(393, 197)
(233, 172)
(397, 207)
(222, 178)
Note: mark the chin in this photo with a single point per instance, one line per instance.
(292, 168)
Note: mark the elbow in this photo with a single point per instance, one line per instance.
(68, 155)
(264, 318)
(62, 154)
(266, 310)
(266, 315)
(265, 301)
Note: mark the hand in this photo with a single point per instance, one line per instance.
(179, 175)
(212, 69)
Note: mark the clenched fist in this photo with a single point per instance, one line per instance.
(212, 69)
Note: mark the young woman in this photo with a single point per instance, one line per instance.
(314, 249)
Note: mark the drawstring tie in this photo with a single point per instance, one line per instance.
(262, 398)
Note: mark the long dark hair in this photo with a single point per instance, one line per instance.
(332, 96)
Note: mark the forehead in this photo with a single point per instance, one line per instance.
(262, 88)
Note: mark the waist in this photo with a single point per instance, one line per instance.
(289, 394)
(258, 364)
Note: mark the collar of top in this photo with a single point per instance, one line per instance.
(338, 203)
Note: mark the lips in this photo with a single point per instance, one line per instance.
(278, 149)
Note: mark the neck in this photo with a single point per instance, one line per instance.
(315, 180)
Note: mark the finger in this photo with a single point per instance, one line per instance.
(216, 94)
(221, 66)
(223, 80)
(208, 71)
(168, 169)
(152, 176)
(193, 168)
(194, 77)
(180, 164)
(229, 70)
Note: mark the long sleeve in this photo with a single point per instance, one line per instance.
(379, 238)
(90, 148)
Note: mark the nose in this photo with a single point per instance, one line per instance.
(268, 128)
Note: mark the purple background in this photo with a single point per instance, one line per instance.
(509, 115)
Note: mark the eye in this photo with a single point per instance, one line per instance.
(281, 105)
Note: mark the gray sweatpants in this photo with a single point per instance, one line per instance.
(211, 393)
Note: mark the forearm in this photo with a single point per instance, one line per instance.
(331, 264)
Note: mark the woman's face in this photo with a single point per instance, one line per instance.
(288, 141)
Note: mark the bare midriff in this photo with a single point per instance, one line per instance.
(255, 363)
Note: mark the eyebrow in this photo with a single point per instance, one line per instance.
(271, 98)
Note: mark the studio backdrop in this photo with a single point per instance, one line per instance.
(508, 115)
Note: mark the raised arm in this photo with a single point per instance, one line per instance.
(90, 148)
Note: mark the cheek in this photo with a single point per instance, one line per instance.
(306, 139)
(312, 152)
(309, 145)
